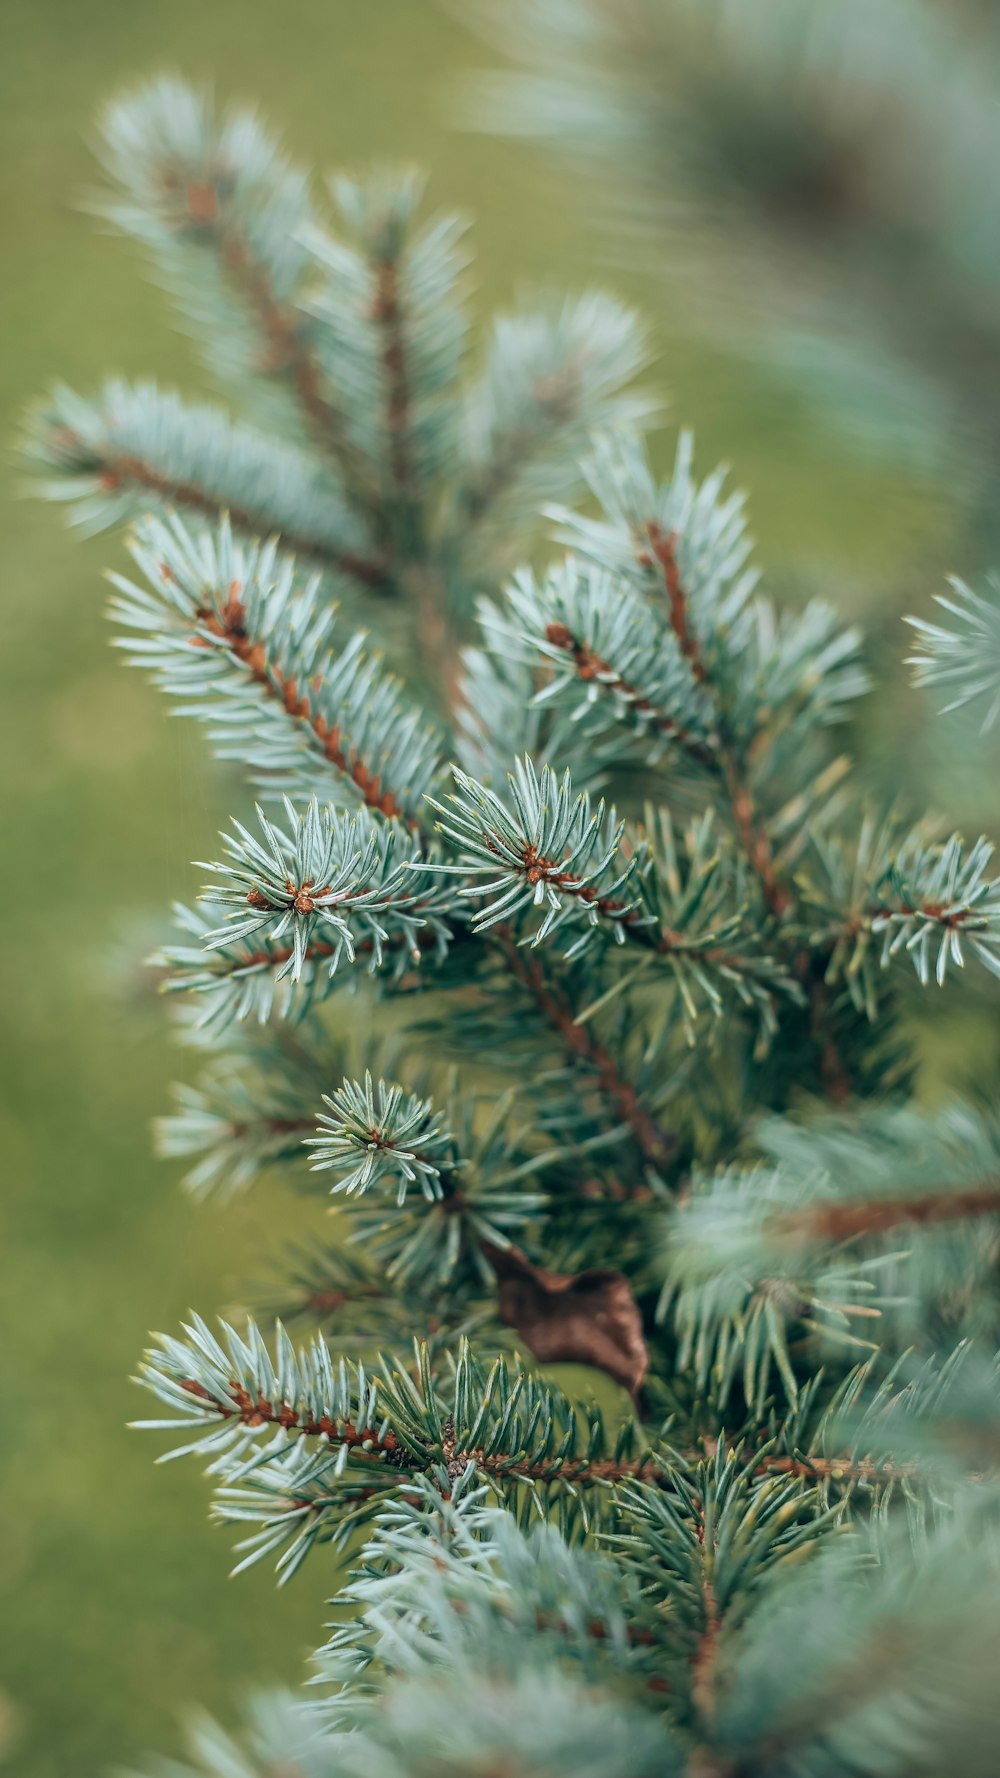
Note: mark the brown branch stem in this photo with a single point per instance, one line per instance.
(388, 315)
(257, 1411)
(844, 1222)
(777, 894)
(658, 1145)
(272, 957)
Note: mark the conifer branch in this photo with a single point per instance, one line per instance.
(229, 626)
(389, 301)
(204, 212)
(622, 1206)
(965, 655)
(329, 873)
(511, 1428)
(590, 667)
(249, 647)
(524, 416)
(480, 1189)
(224, 214)
(138, 447)
(552, 851)
(261, 977)
(894, 893)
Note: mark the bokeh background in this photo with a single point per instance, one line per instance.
(115, 1609)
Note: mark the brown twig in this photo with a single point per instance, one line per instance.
(273, 956)
(777, 894)
(843, 1222)
(258, 1411)
(388, 315)
(537, 868)
(663, 546)
(952, 918)
(658, 1145)
(777, 891)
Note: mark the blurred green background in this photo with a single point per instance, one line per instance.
(115, 1609)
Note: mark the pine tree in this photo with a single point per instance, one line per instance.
(631, 1092)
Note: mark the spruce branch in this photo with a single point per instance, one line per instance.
(337, 876)
(551, 377)
(352, 347)
(254, 1418)
(937, 895)
(443, 1572)
(224, 214)
(734, 1319)
(872, 1658)
(242, 978)
(543, 1588)
(965, 656)
(551, 851)
(757, 683)
(836, 1242)
(498, 713)
(235, 1125)
(708, 1544)
(696, 901)
(389, 297)
(603, 636)
(550, 994)
(897, 893)
(255, 1100)
(919, 1435)
(138, 448)
(708, 663)
(249, 648)
(368, 1137)
(479, 1191)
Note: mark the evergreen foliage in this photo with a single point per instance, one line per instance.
(772, 1547)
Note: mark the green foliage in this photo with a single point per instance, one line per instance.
(910, 896)
(550, 851)
(872, 1666)
(330, 878)
(398, 466)
(705, 1181)
(252, 1417)
(966, 658)
(391, 1137)
(248, 647)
